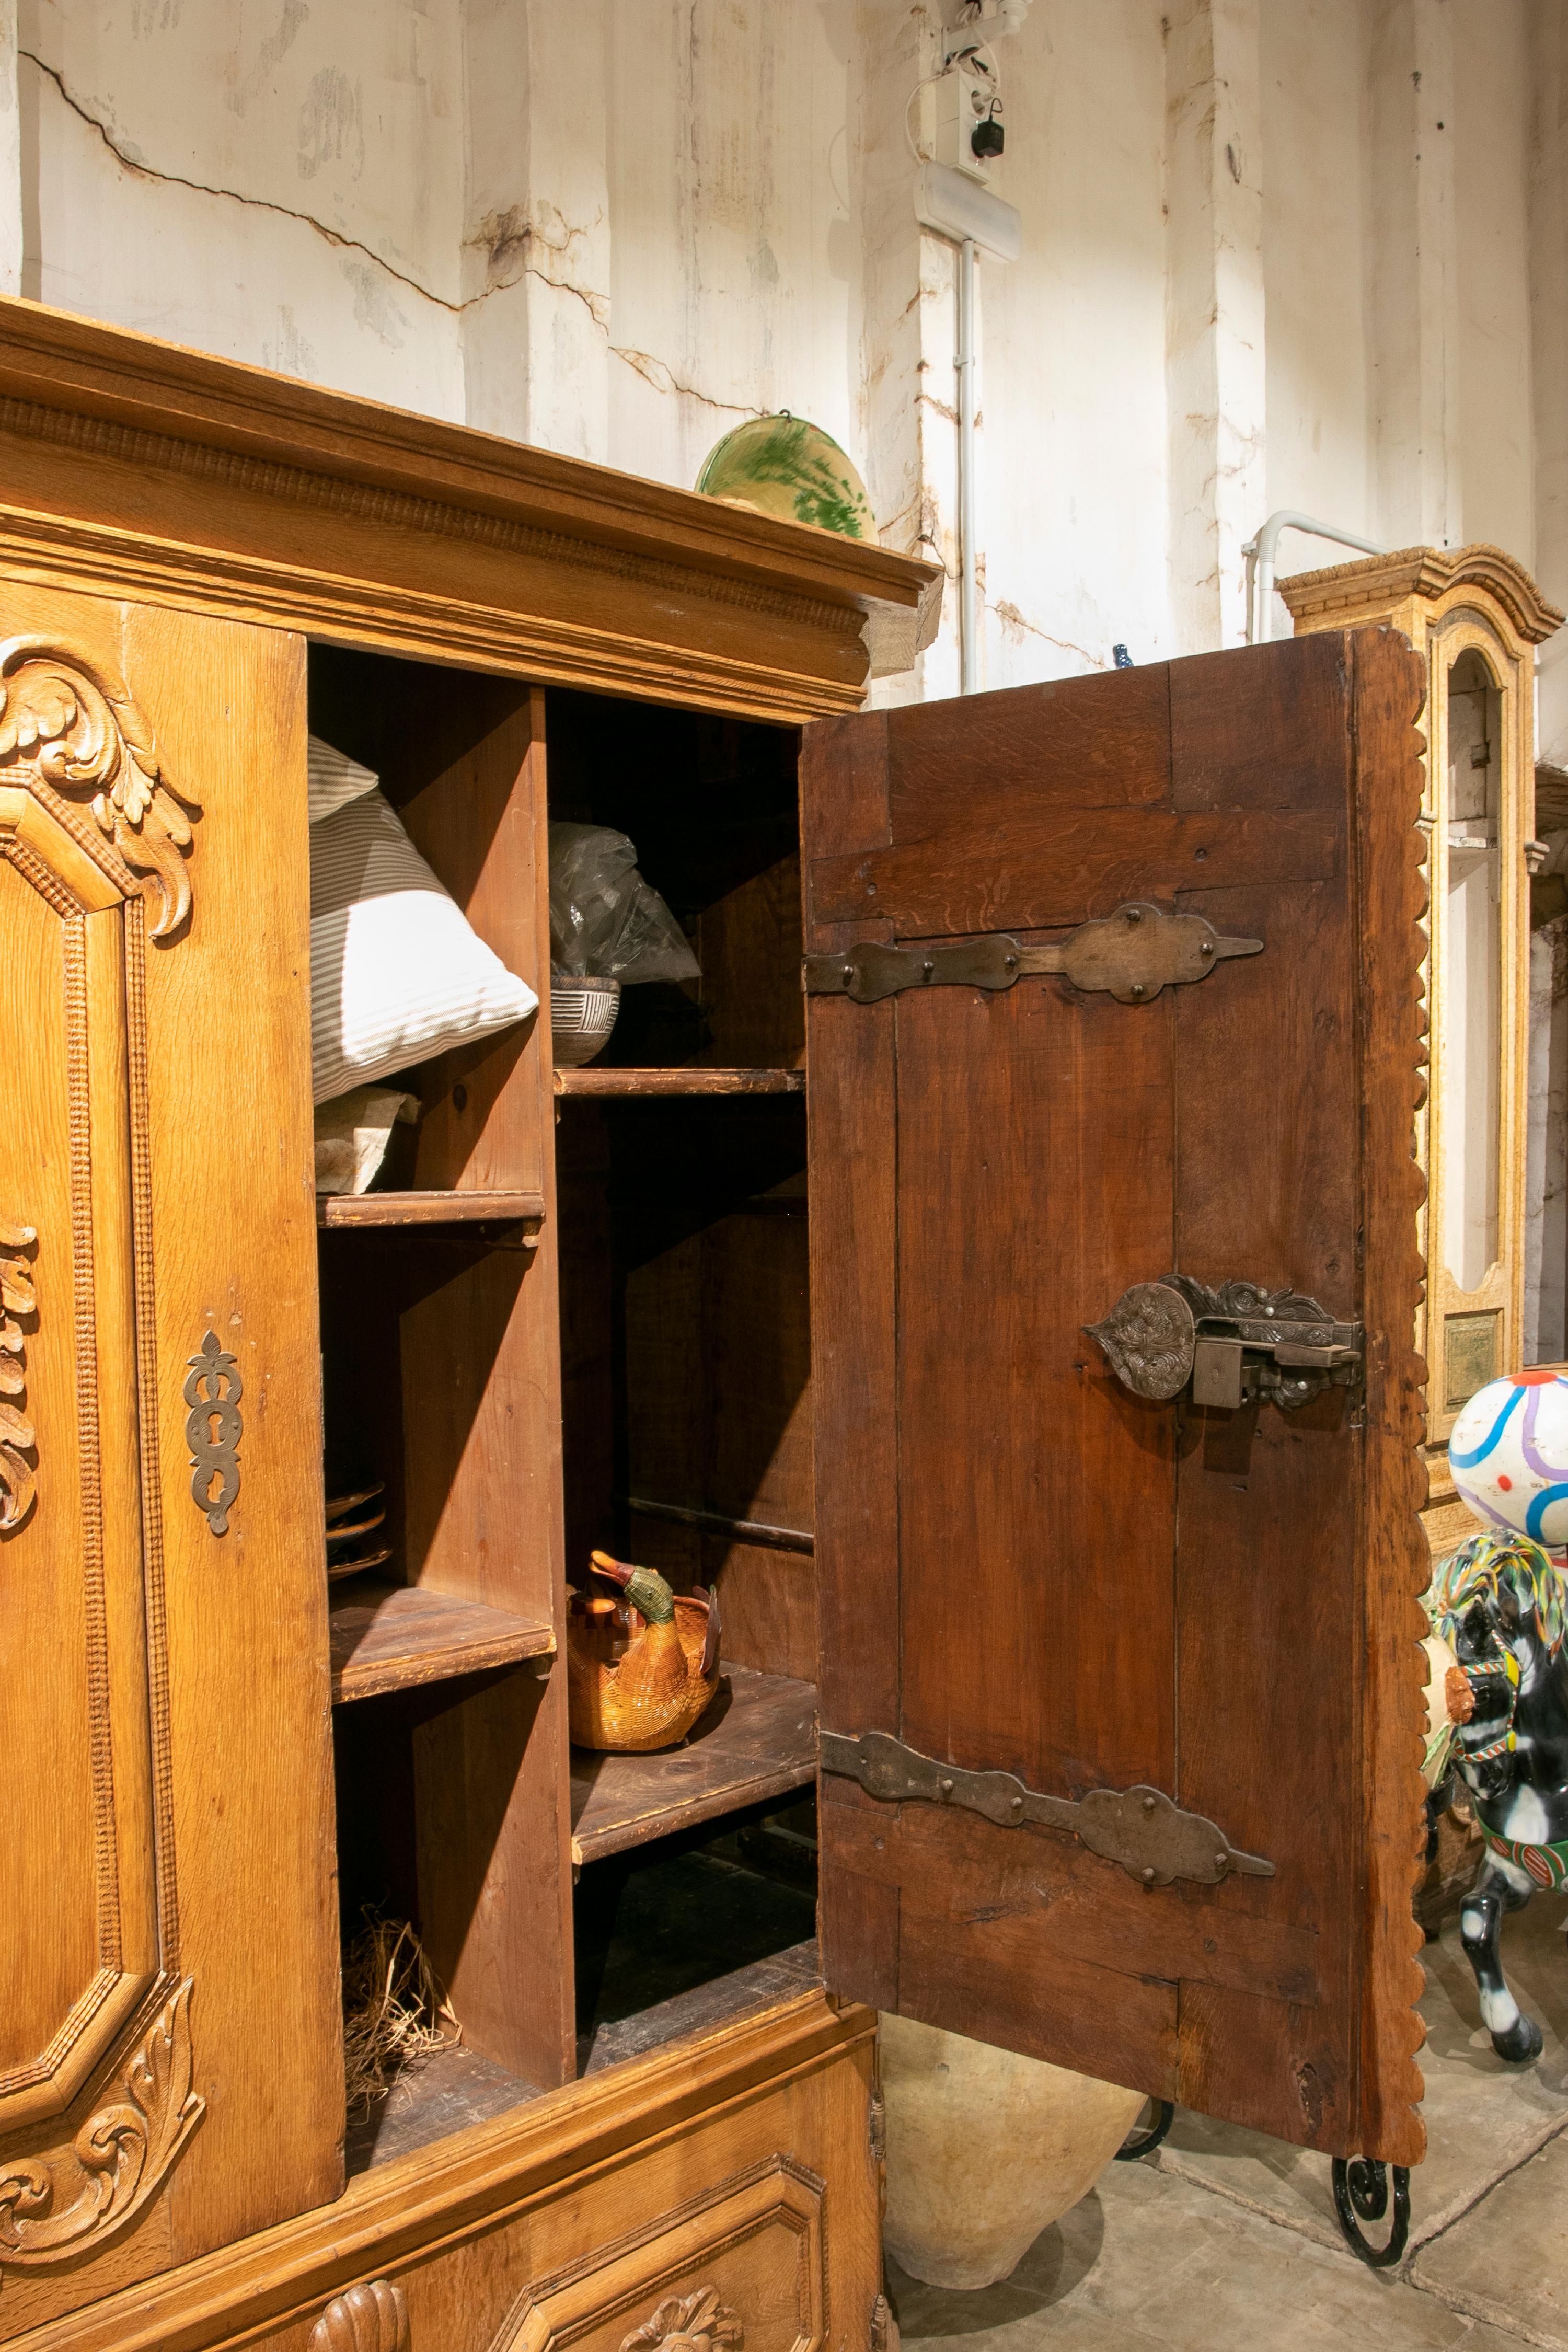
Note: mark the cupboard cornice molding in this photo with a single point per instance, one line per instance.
(1344, 595)
(100, 418)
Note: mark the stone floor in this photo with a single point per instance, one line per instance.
(1226, 2241)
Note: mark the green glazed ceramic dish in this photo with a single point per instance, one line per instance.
(783, 466)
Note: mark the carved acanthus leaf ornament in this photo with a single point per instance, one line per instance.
(73, 722)
(58, 2205)
(17, 1439)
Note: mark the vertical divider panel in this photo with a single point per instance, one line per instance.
(230, 1251)
(481, 1413)
(852, 1175)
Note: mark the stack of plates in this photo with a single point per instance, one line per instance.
(350, 1518)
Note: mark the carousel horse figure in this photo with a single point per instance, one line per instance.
(1501, 1607)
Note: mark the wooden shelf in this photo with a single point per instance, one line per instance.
(679, 1082)
(757, 1740)
(337, 1211)
(386, 1637)
(444, 2092)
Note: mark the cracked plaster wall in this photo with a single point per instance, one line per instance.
(280, 183)
(1255, 272)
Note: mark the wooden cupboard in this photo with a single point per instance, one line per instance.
(1110, 986)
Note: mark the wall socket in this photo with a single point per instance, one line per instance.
(962, 102)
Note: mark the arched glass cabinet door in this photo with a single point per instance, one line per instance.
(1476, 617)
(1469, 1054)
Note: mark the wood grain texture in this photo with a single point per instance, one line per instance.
(692, 1080)
(853, 1179)
(546, 2183)
(757, 1740)
(685, 1342)
(352, 520)
(250, 1768)
(133, 380)
(387, 1637)
(744, 2257)
(444, 1365)
(1028, 1569)
(1035, 871)
(343, 1211)
(235, 512)
(1293, 1222)
(1388, 694)
(89, 1932)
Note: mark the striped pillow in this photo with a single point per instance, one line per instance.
(334, 778)
(396, 972)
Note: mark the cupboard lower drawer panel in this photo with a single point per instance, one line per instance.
(728, 2192)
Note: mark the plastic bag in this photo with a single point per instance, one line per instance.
(605, 923)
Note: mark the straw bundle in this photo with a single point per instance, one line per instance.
(395, 2013)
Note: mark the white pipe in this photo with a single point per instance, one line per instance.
(1260, 554)
(968, 583)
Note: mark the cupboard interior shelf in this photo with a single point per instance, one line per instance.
(339, 1211)
(758, 1740)
(681, 1081)
(344, 1211)
(386, 1637)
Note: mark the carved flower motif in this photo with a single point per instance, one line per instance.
(689, 2323)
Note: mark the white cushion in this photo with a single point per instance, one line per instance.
(334, 779)
(397, 974)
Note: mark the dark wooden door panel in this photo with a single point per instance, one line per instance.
(1037, 869)
(1034, 1183)
(1106, 746)
(1026, 1568)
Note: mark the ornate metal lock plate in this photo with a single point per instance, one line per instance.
(1237, 1345)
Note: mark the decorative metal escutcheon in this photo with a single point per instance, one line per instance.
(1151, 1838)
(213, 1431)
(1130, 954)
(1237, 1345)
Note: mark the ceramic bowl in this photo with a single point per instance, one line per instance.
(1508, 1454)
(786, 467)
(582, 1016)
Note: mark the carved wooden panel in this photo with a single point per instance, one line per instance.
(96, 2092)
(18, 1440)
(90, 835)
(739, 2269)
(57, 2204)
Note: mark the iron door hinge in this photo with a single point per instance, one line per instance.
(1132, 955)
(1153, 1839)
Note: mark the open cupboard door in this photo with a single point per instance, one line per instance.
(1114, 1019)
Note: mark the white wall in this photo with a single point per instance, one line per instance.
(282, 184)
(1305, 253)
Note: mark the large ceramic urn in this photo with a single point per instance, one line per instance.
(985, 2150)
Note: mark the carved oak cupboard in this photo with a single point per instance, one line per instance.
(1037, 1389)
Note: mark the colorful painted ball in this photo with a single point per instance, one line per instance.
(1508, 1454)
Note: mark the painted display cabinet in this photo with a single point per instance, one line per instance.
(1475, 618)
(961, 1278)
